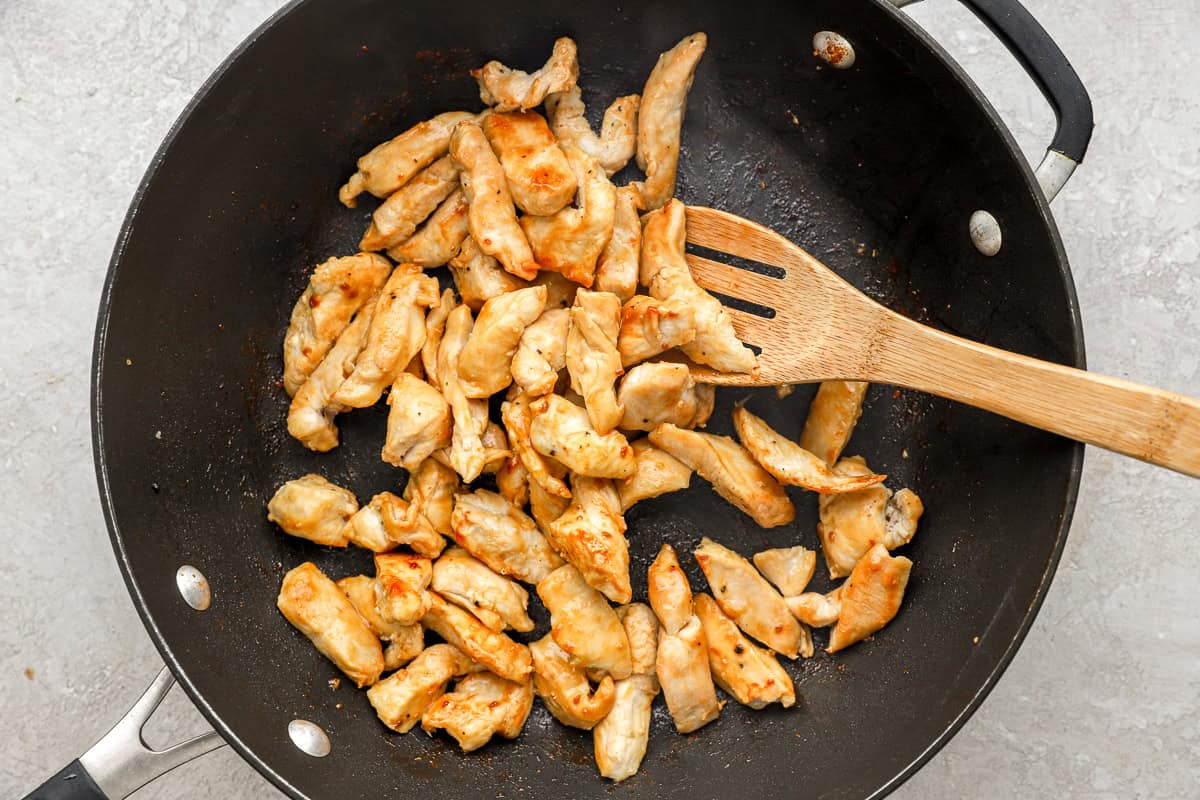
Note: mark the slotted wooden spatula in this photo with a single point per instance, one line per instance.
(823, 328)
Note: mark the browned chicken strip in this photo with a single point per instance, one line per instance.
(650, 327)
(481, 706)
(655, 472)
(750, 674)
(500, 535)
(670, 594)
(590, 535)
(817, 610)
(467, 453)
(313, 508)
(660, 120)
(517, 415)
(390, 165)
(617, 141)
(870, 598)
(621, 738)
(539, 177)
(542, 352)
(617, 267)
(398, 217)
(403, 642)
(388, 521)
(479, 277)
(401, 583)
(789, 568)
(565, 689)
(431, 489)
(583, 624)
(831, 418)
(469, 583)
(435, 330)
(485, 364)
(402, 697)
(562, 431)
(658, 392)
(492, 649)
(507, 89)
(418, 422)
(440, 238)
(592, 359)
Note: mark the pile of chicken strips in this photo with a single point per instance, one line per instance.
(573, 301)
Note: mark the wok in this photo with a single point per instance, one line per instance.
(876, 169)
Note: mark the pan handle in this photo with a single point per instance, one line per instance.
(121, 762)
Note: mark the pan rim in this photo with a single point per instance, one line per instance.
(118, 543)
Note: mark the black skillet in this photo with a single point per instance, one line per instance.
(875, 169)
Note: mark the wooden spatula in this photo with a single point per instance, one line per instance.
(825, 329)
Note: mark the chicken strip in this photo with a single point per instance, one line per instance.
(659, 392)
(565, 689)
(831, 418)
(466, 581)
(398, 217)
(467, 453)
(517, 415)
(313, 508)
(440, 238)
(572, 240)
(401, 586)
(592, 359)
(501, 536)
(749, 673)
(508, 89)
(318, 609)
(435, 330)
(660, 120)
(732, 472)
(789, 568)
(618, 131)
(561, 430)
(617, 266)
(485, 364)
(670, 594)
(388, 521)
(404, 648)
(815, 609)
(481, 706)
(620, 739)
(492, 649)
(479, 277)
(338, 288)
(590, 535)
(560, 290)
(404, 642)
(852, 523)
(665, 272)
(512, 481)
(655, 472)
(583, 624)
(391, 164)
(870, 597)
(418, 422)
(544, 506)
(542, 352)
(650, 327)
(402, 697)
(431, 488)
(539, 177)
(491, 218)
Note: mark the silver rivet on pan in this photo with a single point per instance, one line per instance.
(193, 586)
(985, 233)
(309, 738)
(834, 49)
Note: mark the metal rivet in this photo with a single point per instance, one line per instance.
(985, 233)
(834, 48)
(193, 586)
(309, 738)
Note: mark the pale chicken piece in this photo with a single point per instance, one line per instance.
(485, 364)
(749, 600)
(617, 267)
(789, 568)
(592, 359)
(747, 672)
(338, 288)
(388, 521)
(560, 290)
(670, 594)
(546, 507)
(542, 352)
(539, 176)
(404, 648)
(435, 329)
(870, 598)
(467, 453)
(402, 697)
(650, 326)
(432, 489)
(517, 415)
(440, 238)
(832, 416)
(506, 89)
(571, 241)
(561, 430)
(565, 689)
(789, 462)
(816, 609)
(418, 422)
(321, 611)
(396, 334)
(313, 508)
(491, 218)
(481, 706)
(401, 586)
(583, 624)
(512, 481)
(390, 165)
(492, 649)
(617, 141)
(467, 582)
(658, 392)
(733, 473)
(685, 677)
(620, 739)
(590, 535)
(641, 629)
(479, 277)
(665, 272)
(660, 120)
(655, 472)
(398, 217)
(500, 535)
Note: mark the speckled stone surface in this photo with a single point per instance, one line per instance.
(1101, 702)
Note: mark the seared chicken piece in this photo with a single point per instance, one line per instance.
(440, 238)
(661, 392)
(388, 521)
(390, 165)
(655, 472)
(517, 415)
(565, 689)
(870, 598)
(467, 453)
(467, 582)
(501, 536)
(404, 648)
(618, 131)
(831, 418)
(479, 277)
(539, 177)
(492, 219)
(418, 422)
(485, 364)
(435, 329)
(318, 609)
(313, 508)
(665, 272)
(403, 642)
(542, 352)
(507, 89)
(620, 739)
(670, 594)
(561, 430)
(571, 240)
(617, 266)
(545, 506)
(492, 649)
(590, 535)
(815, 609)
(583, 624)
(732, 472)
(592, 358)
(481, 706)
(432, 489)
(751, 602)
(749, 673)
(402, 697)
(560, 290)
(401, 587)
(338, 288)
(851, 523)
(512, 481)
(789, 462)
(660, 121)
(789, 568)
(650, 327)
(641, 629)
(398, 217)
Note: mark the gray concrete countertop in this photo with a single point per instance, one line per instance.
(1101, 702)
